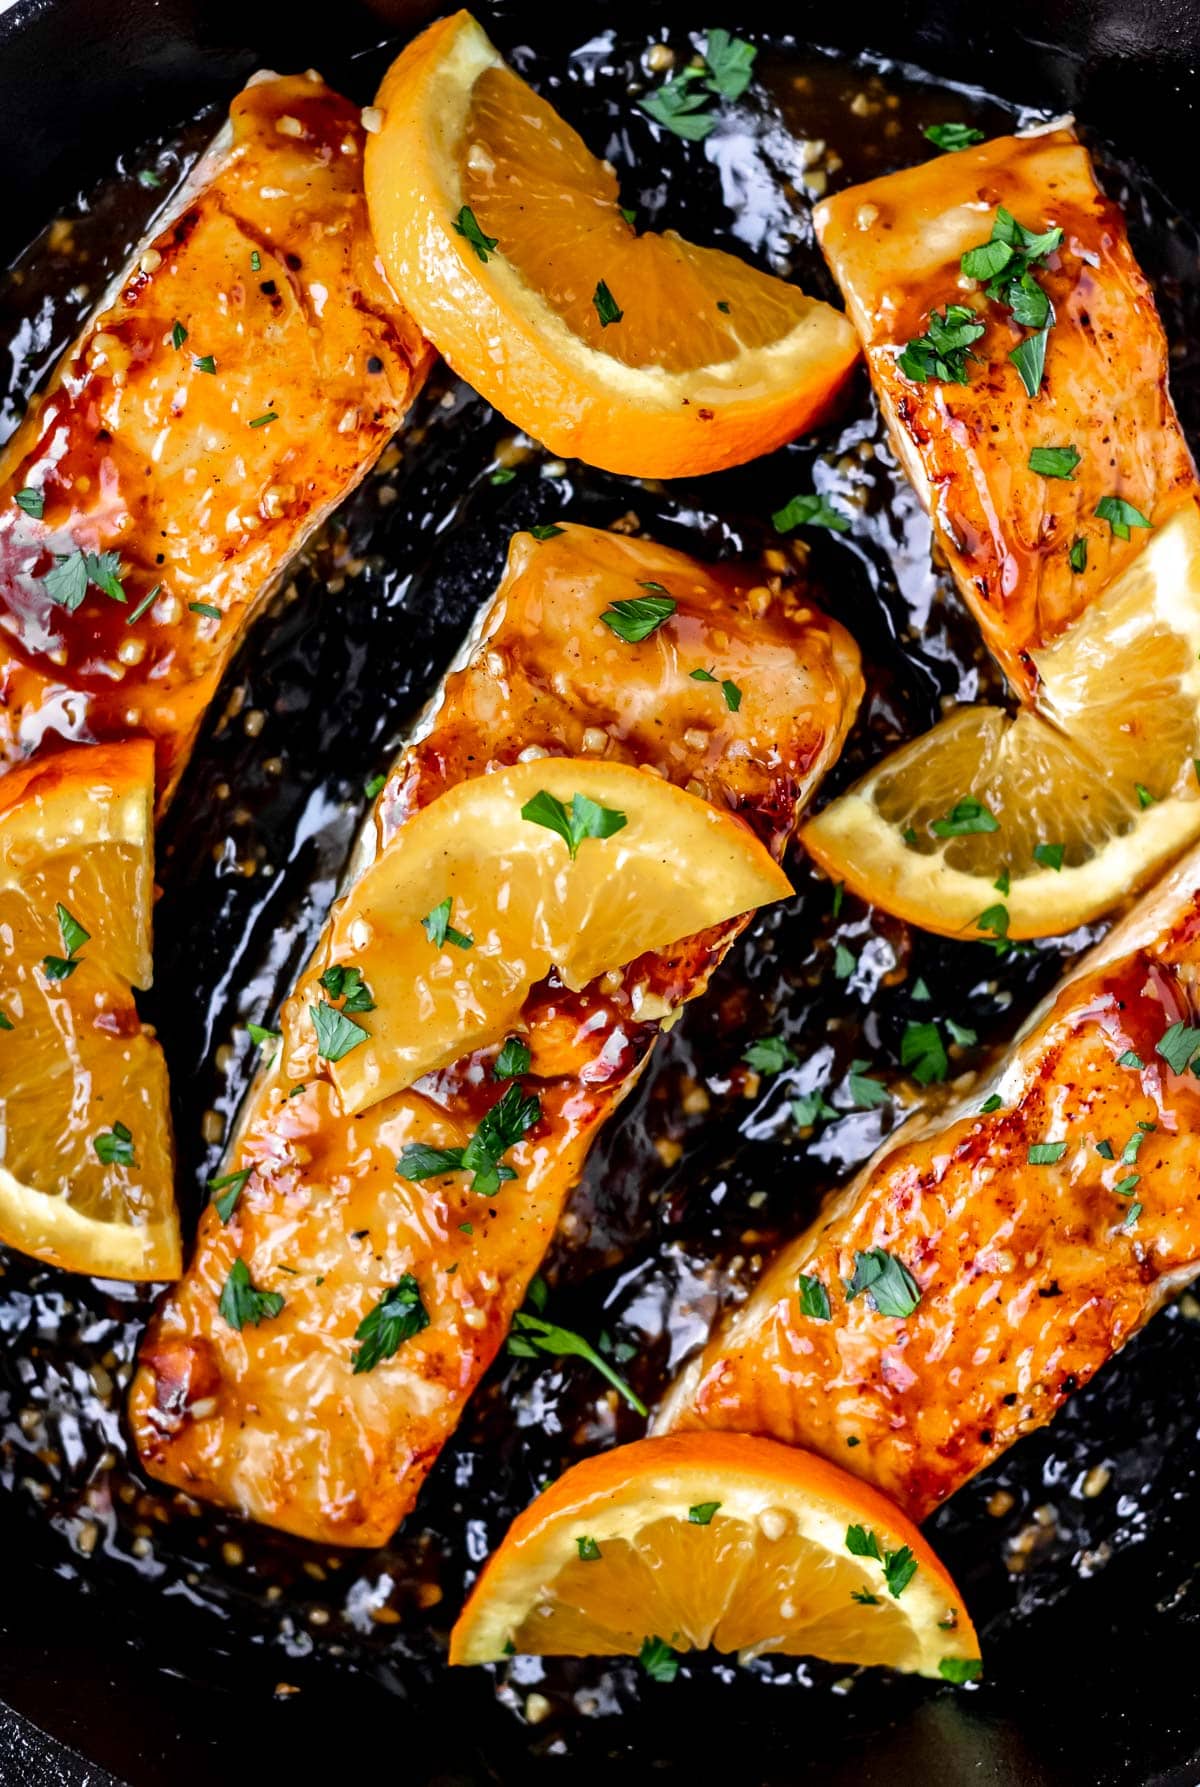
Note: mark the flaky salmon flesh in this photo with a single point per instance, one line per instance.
(991, 1256)
(248, 371)
(1028, 552)
(272, 1420)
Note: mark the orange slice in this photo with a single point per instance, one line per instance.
(708, 363)
(671, 867)
(720, 1539)
(86, 1170)
(1045, 821)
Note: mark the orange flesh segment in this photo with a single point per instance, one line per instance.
(553, 208)
(75, 830)
(768, 1571)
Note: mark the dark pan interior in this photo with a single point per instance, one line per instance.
(1088, 1688)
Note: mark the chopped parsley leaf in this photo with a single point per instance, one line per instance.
(439, 930)
(1054, 462)
(943, 351)
(205, 363)
(899, 1567)
(588, 1549)
(730, 63)
(922, 1049)
(230, 1189)
(814, 1298)
(809, 510)
(178, 335)
(1178, 1046)
(512, 1061)
(240, 1302)
(500, 1129)
(731, 692)
(891, 1288)
(31, 501)
(769, 1054)
(950, 138)
(73, 939)
(866, 1092)
(1050, 856)
(532, 1335)
(1029, 358)
(809, 1107)
(960, 1669)
(1077, 557)
(345, 982)
(1120, 515)
(398, 1315)
(115, 1147)
(659, 1661)
(579, 819)
(844, 962)
(607, 308)
(701, 1513)
(991, 1103)
(546, 530)
(1130, 1058)
(465, 225)
(1045, 1154)
(142, 606)
(636, 617)
(209, 610)
(336, 1033)
(965, 817)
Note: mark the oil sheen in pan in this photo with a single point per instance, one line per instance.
(687, 1191)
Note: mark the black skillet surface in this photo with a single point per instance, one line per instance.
(192, 1649)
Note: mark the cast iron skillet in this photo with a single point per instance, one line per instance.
(1091, 1692)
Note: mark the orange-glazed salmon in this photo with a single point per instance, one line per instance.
(273, 1420)
(248, 371)
(1008, 533)
(1027, 1231)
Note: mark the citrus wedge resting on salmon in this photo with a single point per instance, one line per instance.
(996, 1252)
(1022, 369)
(86, 1168)
(998, 826)
(438, 1203)
(250, 368)
(446, 980)
(1057, 285)
(721, 1540)
(505, 238)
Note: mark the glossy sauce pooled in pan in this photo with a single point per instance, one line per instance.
(709, 1166)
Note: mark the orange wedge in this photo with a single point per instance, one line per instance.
(430, 981)
(504, 237)
(721, 1540)
(1025, 826)
(86, 1171)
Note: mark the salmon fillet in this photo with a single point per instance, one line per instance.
(245, 375)
(1032, 1227)
(272, 1420)
(895, 246)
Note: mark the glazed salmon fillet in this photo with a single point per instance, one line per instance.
(1007, 532)
(1028, 1230)
(246, 374)
(272, 1420)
